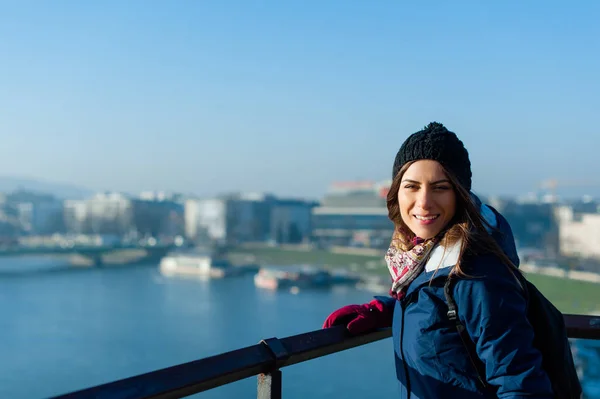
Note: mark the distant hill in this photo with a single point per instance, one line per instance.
(9, 184)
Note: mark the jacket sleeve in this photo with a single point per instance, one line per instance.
(388, 302)
(493, 309)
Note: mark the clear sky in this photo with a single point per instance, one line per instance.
(212, 96)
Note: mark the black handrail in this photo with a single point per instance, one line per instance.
(266, 357)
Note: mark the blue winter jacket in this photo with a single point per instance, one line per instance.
(431, 360)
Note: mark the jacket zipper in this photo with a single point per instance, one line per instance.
(404, 302)
(402, 354)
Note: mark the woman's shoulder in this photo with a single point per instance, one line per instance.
(487, 268)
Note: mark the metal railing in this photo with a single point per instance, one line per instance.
(264, 360)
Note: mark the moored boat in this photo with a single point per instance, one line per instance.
(299, 277)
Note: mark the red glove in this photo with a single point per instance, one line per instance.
(359, 319)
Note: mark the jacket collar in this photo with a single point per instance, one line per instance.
(442, 257)
(440, 263)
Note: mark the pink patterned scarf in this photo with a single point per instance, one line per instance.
(405, 266)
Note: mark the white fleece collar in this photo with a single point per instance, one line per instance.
(443, 257)
(448, 257)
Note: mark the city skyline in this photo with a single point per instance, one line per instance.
(66, 190)
(286, 98)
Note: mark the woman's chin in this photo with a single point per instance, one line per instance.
(426, 232)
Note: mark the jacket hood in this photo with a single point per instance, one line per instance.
(499, 229)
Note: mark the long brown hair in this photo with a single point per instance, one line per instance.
(467, 226)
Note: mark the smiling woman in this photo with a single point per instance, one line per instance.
(472, 338)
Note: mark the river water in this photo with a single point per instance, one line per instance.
(64, 329)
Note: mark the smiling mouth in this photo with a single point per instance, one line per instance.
(429, 217)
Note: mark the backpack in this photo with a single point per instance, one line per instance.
(550, 338)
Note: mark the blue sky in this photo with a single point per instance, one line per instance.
(287, 96)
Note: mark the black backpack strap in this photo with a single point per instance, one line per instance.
(462, 332)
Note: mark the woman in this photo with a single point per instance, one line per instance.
(443, 231)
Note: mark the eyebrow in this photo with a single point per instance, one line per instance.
(434, 182)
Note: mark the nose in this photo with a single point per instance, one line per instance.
(424, 199)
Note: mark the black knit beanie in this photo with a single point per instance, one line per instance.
(437, 143)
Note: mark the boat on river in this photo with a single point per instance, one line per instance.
(301, 277)
(201, 264)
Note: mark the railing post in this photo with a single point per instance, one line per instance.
(269, 384)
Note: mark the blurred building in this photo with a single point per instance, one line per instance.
(75, 216)
(205, 220)
(231, 219)
(106, 213)
(160, 196)
(9, 224)
(353, 214)
(34, 213)
(533, 223)
(249, 217)
(578, 232)
(157, 217)
(42, 217)
(291, 221)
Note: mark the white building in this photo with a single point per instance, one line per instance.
(578, 233)
(106, 213)
(75, 214)
(233, 219)
(206, 219)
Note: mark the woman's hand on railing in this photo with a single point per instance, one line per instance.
(360, 319)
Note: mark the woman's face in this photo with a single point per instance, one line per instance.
(426, 198)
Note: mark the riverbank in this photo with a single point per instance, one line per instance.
(568, 294)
